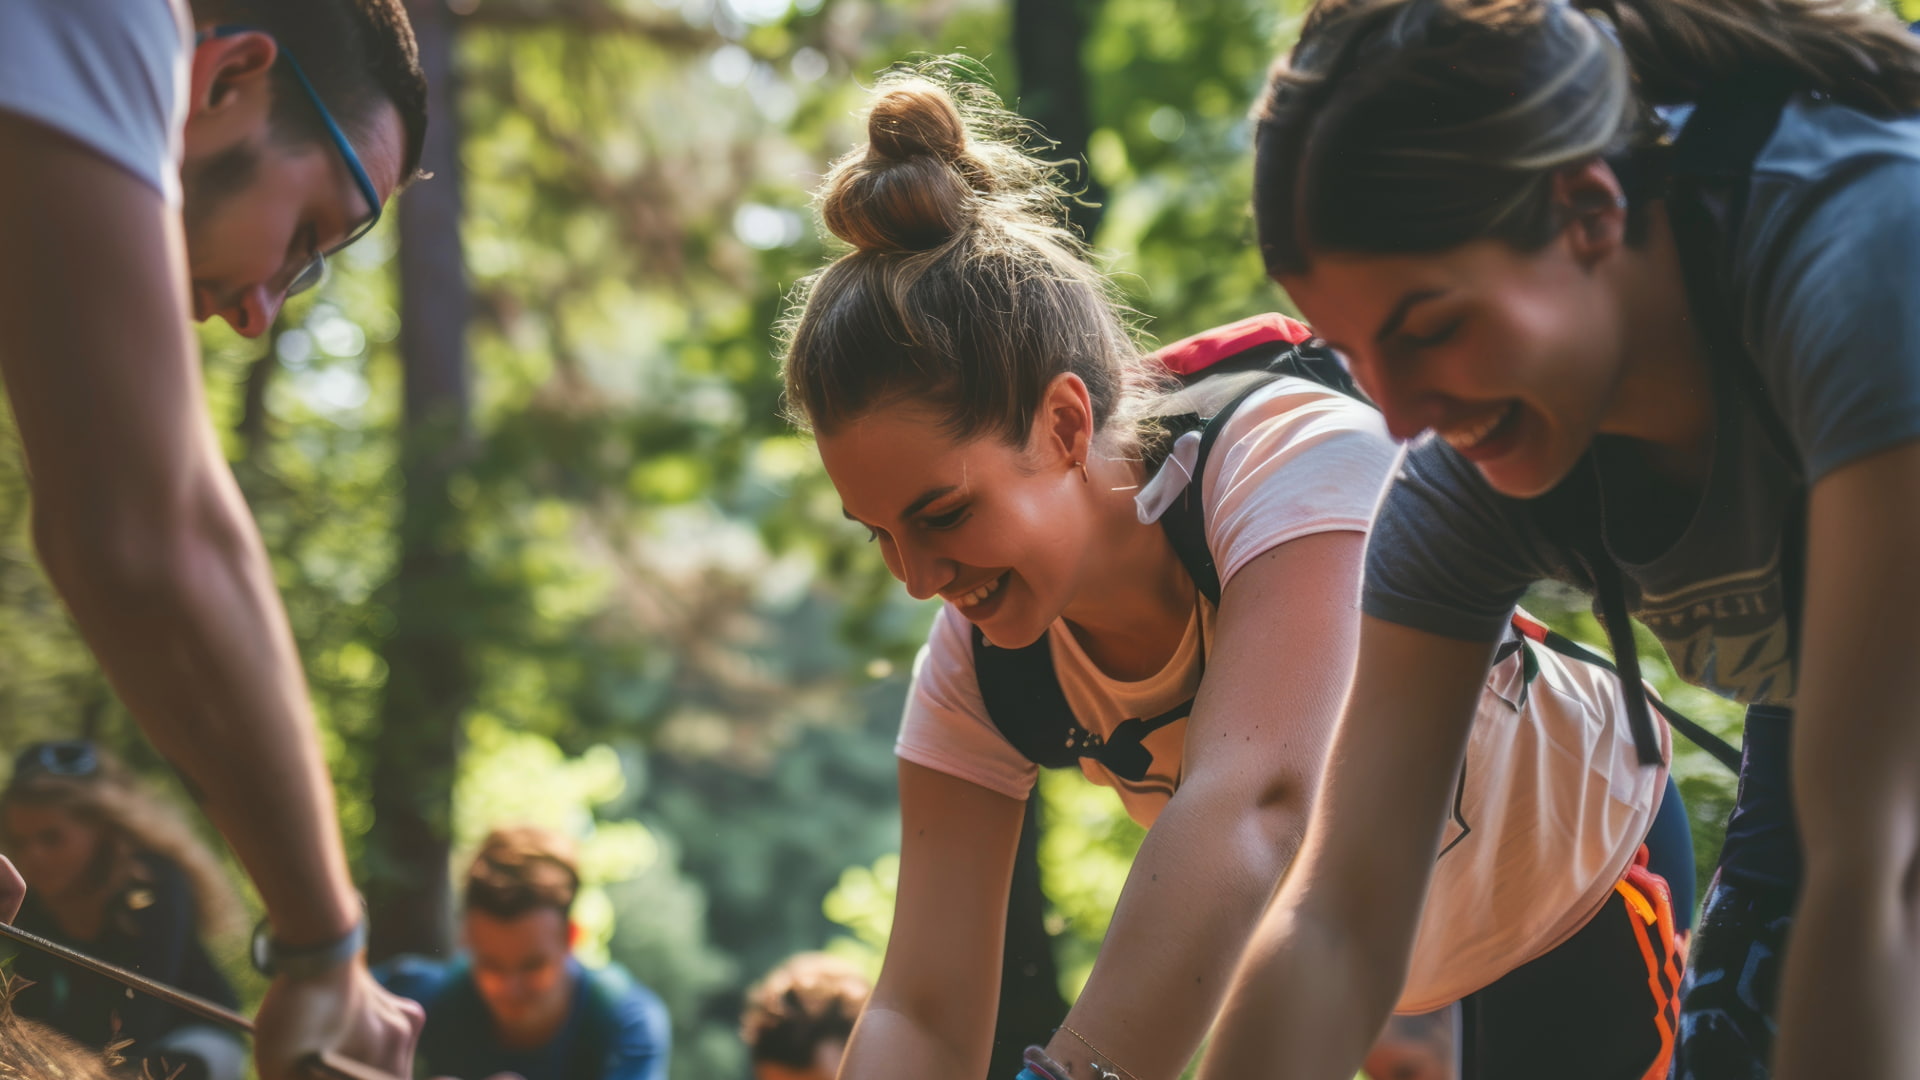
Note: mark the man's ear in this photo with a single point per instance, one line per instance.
(1591, 205)
(573, 935)
(1063, 425)
(226, 69)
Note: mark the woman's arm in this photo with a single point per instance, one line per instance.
(931, 1014)
(1327, 961)
(1282, 655)
(1851, 986)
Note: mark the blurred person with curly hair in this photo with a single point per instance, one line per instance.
(113, 870)
(800, 1016)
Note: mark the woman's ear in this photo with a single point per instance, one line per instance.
(1591, 205)
(1063, 425)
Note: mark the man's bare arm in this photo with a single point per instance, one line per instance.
(145, 535)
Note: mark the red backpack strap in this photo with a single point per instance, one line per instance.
(1209, 347)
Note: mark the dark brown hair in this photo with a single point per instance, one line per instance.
(358, 53)
(812, 998)
(1412, 126)
(965, 293)
(522, 868)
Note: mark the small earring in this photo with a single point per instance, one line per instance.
(1082, 466)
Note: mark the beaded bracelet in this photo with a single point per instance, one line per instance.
(1041, 1067)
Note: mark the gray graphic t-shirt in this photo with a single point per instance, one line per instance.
(1826, 279)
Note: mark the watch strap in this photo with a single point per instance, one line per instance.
(272, 958)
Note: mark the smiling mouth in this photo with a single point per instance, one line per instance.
(1470, 436)
(969, 599)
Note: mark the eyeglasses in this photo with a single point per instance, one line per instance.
(66, 757)
(315, 271)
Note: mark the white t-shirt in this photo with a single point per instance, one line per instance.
(1553, 803)
(109, 74)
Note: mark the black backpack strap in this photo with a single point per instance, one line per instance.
(1185, 521)
(1713, 162)
(1570, 517)
(1024, 700)
(1722, 751)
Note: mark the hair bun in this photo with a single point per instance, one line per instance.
(915, 185)
(912, 119)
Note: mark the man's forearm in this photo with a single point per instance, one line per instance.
(193, 636)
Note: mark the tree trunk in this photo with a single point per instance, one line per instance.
(1030, 1002)
(429, 680)
(1048, 36)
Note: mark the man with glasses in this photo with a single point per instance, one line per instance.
(151, 173)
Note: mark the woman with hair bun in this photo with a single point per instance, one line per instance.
(984, 412)
(1644, 270)
(115, 872)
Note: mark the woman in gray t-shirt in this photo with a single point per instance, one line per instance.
(1666, 354)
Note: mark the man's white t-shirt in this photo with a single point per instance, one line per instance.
(1553, 802)
(108, 74)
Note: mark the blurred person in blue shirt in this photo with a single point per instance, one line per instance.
(517, 1002)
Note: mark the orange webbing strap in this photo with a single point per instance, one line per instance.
(1650, 909)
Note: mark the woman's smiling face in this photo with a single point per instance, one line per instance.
(1000, 531)
(1512, 357)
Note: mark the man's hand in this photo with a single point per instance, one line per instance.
(344, 1011)
(12, 891)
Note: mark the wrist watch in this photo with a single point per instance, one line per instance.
(272, 958)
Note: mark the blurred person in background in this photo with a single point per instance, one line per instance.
(115, 871)
(518, 1001)
(800, 1016)
(167, 161)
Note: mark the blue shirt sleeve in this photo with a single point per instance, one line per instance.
(642, 1035)
(413, 977)
(1831, 267)
(1448, 554)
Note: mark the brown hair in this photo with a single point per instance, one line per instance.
(810, 999)
(523, 868)
(965, 292)
(1411, 126)
(357, 53)
(133, 821)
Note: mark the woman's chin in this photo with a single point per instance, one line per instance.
(1529, 470)
(1005, 633)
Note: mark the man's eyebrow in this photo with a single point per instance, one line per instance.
(1398, 315)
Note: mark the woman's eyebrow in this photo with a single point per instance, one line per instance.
(926, 499)
(1391, 324)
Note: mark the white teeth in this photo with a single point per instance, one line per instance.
(1468, 438)
(967, 600)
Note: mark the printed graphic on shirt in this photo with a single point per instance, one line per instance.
(1728, 634)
